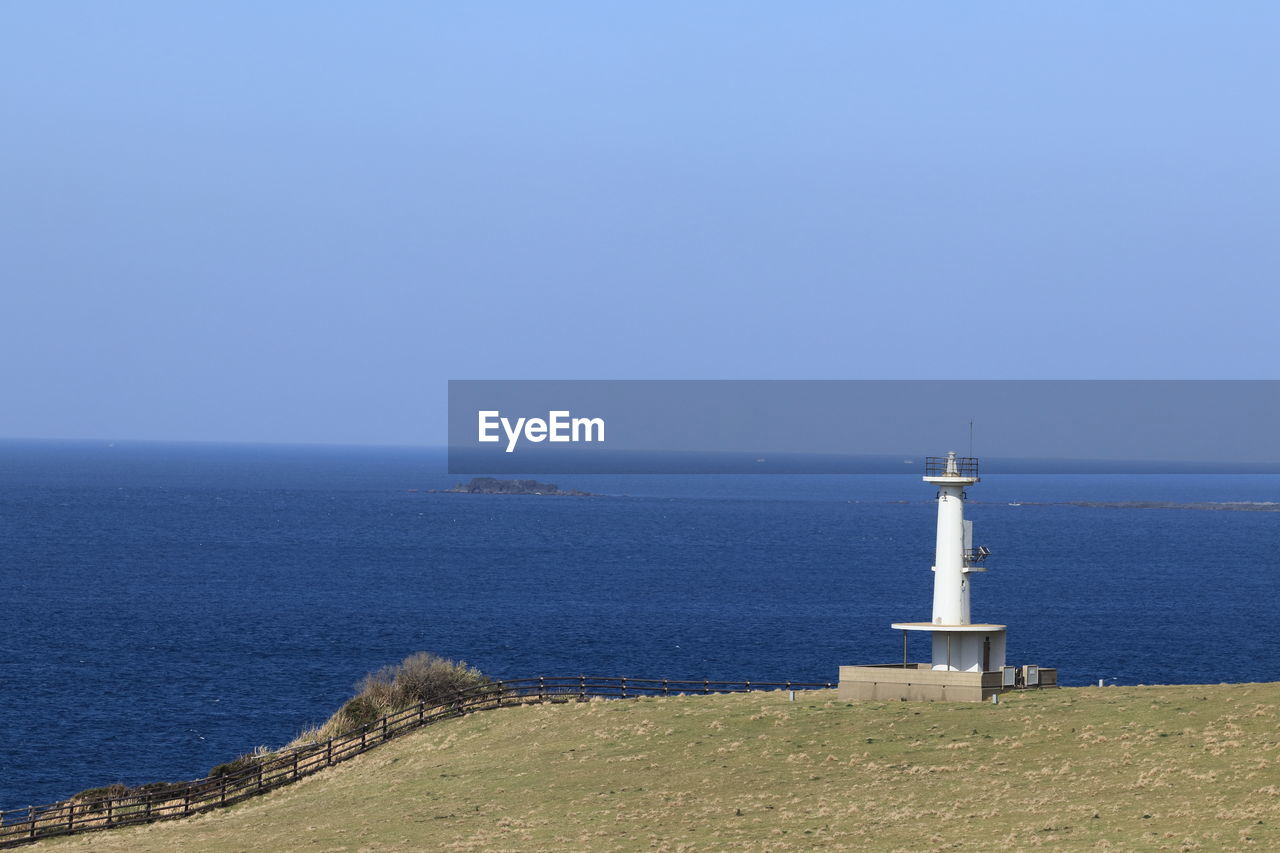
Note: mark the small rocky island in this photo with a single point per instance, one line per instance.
(493, 486)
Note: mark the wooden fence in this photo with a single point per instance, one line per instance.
(164, 801)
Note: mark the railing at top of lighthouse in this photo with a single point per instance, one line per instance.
(959, 467)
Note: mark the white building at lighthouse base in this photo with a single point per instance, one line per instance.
(977, 647)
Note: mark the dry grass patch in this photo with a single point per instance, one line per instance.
(1159, 768)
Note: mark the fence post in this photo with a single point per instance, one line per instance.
(499, 694)
(705, 686)
(364, 730)
(186, 801)
(328, 753)
(542, 689)
(665, 692)
(110, 810)
(748, 686)
(384, 728)
(148, 805)
(71, 815)
(222, 792)
(422, 711)
(31, 816)
(295, 767)
(582, 687)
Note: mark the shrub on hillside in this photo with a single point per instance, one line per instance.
(361, 709)
(119, 789)
(421, 677)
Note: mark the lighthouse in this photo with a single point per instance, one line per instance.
(958, 643)
(967, 658)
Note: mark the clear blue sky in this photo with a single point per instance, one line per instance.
(292, 221)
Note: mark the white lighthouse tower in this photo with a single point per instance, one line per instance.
(967, 660)
(959, 643)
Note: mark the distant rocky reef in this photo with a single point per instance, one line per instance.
(493, 486)
(1218, 506)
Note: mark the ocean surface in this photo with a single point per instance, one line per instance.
(168, 607)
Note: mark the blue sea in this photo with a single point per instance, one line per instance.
(168, 607)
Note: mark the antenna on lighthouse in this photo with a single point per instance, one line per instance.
(970, 438)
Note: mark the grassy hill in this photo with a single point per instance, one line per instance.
(1122, 768)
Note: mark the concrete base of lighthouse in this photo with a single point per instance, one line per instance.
(968, 666)
(918, 682)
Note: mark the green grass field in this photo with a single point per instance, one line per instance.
(1119, 768)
